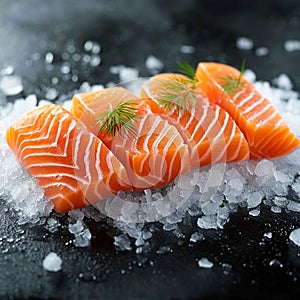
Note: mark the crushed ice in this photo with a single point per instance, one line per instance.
(206, 196)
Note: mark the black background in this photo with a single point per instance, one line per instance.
(128, 32)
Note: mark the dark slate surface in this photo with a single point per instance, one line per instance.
(128, 32)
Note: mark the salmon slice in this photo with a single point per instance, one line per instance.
(154, 156)
(72, 165)
(209, 131)
(267, 133)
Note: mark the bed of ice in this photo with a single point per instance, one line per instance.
(204, 198)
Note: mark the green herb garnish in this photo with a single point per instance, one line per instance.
(232, 85)
(186, 69)
(179, 94)
(119, 119)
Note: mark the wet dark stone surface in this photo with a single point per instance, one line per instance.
(128, 32)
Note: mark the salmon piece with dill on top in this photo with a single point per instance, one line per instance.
(266, 131)
(209, 131)
(152, 151)
(72, 165)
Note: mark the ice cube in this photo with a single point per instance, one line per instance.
(255, 199)
(88, 45)
(196, 237)
(76, 228)
(207, 222)
(293, 206)
(296, 188)
(122, 242)
(236, 184)
(254, 212)
(52, 262)
(250, 75)
(281, 176)
(164, 250)
(96, 48)
(244, 43)
(49, 57)
(7, 70)
(127, 74)
(275, 263)
(11, 85)
(95, 60)
(292, 45)
(283, 82)
(51, 94)
(264, 168)
(65, 68)
(83, 238)
(262, 51)
(295, 236)
(281, 201)
(268, 235)
(153, 64)
(275, 209)
(52, 225)
(187, 49)
(205, 263)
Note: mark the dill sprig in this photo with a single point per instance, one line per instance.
(186, 69)
(232, 85)
(178, 94)
(118, 119)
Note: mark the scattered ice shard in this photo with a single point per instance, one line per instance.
(250, 75)
(205, 263)
(88, 45)
(127, 73)
(52, 262)
(268, 235)
(264, 168)
(95, 60)
(51, 94)
(49, 57)
(262, 51)
(11, 85)
(244, 43)
(76, 228)
(65, 68)
(292, 45)
(52, 225)
(208, 222)
(164, 250)
(283, 82)
(275, 209)
(153, 64)
(254, 212)
(7, 70)
(122, 242)
(196, 237)
(275, 263)
(254, 199)
(295, 236)
(187, 49)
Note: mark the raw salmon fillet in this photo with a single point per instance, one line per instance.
(209, 131)
(154, 156)
(267, 133)
(72, 165)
